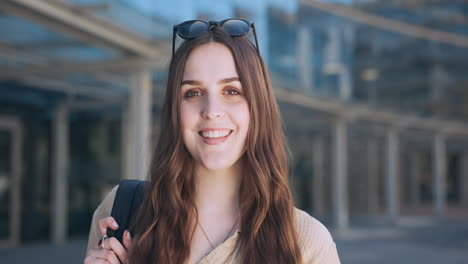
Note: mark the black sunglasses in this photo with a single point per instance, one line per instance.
(191, 29)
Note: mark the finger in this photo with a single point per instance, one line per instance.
(106, 254)
(127, 240)
(94, 260)
(108, 222)
(118, 248)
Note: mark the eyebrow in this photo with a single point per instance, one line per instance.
(225, 80)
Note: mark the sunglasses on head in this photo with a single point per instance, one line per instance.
(191, 29)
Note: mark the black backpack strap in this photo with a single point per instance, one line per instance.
(127, 200)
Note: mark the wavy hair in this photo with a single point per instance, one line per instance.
(164, 225)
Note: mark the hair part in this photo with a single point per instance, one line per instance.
(164, 225)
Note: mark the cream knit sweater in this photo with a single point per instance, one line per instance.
(316, 243)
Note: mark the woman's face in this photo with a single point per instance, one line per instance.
(214, 111)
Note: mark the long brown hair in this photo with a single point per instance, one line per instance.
(163, 227)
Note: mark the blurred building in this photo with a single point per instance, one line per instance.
(373, 96)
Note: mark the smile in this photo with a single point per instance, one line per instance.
(215, 136)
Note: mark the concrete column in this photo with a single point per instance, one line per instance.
(414, 171)
(346, 76)
(318, 149)
(17, 173)
(464, 179)
(372, 176)
(340, 174)
(127, 162)
(59, 203)
(138, 125)
(304, 50)
(333, 45)
(335, 62)
(392, 167)
(345, 83)
(439, 175)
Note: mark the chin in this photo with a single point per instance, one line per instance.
(218, 164)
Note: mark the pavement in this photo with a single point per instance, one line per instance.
(415, 240)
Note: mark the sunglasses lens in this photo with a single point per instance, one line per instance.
(236, 27)
(192, 29)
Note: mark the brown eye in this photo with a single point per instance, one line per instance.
(192, 93)
(232, 91)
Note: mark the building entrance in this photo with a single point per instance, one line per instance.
(10, 174)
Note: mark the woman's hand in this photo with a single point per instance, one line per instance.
(114, 252)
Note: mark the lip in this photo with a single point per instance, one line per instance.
(215, 141)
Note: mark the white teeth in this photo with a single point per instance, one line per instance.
(215, 134)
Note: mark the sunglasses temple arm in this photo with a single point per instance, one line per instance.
(255, 36)
(173, 40)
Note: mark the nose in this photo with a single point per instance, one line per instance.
(213, 108)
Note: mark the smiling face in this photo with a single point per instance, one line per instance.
(214, 111)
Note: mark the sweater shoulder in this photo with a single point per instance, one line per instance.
(102, 211)
(314, 237)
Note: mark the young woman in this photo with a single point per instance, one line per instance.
(218, 185)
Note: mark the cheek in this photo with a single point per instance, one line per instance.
(244, 117)
(187, 124)
(186, 116)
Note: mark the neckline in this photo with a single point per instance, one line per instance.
(231, 231)
(226, 245)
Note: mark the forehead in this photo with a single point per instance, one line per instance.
(209, 63)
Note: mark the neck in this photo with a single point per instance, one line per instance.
(217, 192)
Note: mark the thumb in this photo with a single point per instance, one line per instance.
(127, 240)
